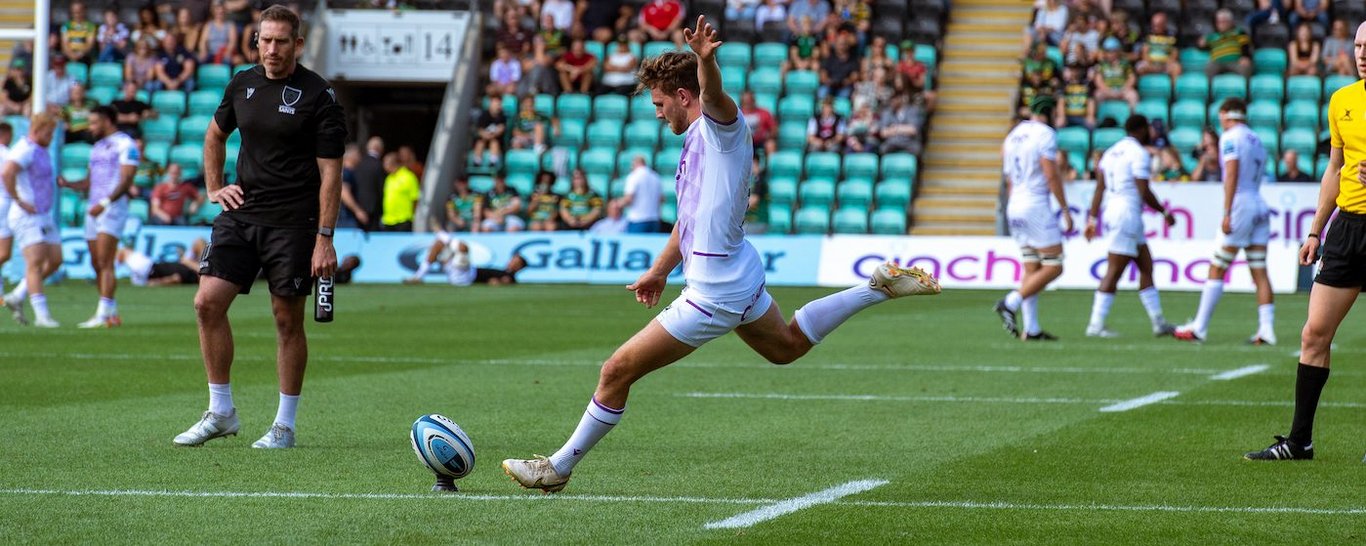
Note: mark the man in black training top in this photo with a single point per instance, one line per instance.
(277, 218)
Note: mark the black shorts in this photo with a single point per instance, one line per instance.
(182, 272)
(239, 250)
(1344, 252)
(484, 275)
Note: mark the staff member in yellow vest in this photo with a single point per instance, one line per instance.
(401, 192)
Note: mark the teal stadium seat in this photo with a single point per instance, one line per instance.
(1226, 86)
(893, 194)
(665, 162)
(1189, 114)
(206, 213)
(560, 160)
(779, 218)
(1321, 166)
(611, 107)
(1192, 86)
(1264, 113)
(543, 104)
(667, 138)
(802, 82)
(765, 81)
(242, 68)
(1104, 138)
(734, 80)
(193, 128)
(522, 161)
(855, 193)
(1116, 110)
(601, 161)
(642, 108)
(1302, 114)
(823, 165)
(574, 106)
(900, 166)
(1333, 83)
(1271, 140)
(1270, 60)
(654, 49)
(1155, 86)
(843, 106)
(75, 159)
(1266, 87)
(213, 76)
(785, 163)
(1302, 140)
(102, 95)
(770, 55)
(925, 53)
(1075, 140)
(817, 191)
(796, 107)
(1184, 139)
(106, 75)
(481, 184)
(524, 183)
(792, 134)
(1308, 88)
(625, 158)
(643, 133)
(160, 152)
(1193, 60)
(861, 166)
(1154, 109)
(605, 133)
(889, 222)
(736, 54)
(571, 133)
(160, 130)
(190, 157)
(782, 190)
(139, 208)
(851, 220)
(79, 72)
(204, 103)
(813, 220)
(230, 155)
(169, 103)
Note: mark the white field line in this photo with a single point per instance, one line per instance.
(1240, 372)
(779, 509)
(1139, 402)
(466, 497)
(1000, 400)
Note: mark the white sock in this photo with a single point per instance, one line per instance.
(1031, 315)
(818, 318)
(220, 398)
(1100, 308)
(289, 405)
(1209, 298)
(1153, 304)
(106, 308)
(422, 270)
(39, 303)
(597, 421)
(1013, 300)
(1266, 317)
(19, 293)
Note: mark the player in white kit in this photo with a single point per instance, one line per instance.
(725, 279)
(454, 256)
(1029, 160)
(1246, 226)
(113, 163)
(6, 236)
(30, 179)
(1122, 180)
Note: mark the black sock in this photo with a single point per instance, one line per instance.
(1309, 382)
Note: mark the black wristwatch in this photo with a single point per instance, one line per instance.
(325, 231)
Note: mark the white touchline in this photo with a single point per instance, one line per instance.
(779, 509)
(999, 400)
(1240, 372)
(1140, 401)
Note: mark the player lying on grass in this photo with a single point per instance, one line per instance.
(454, 256)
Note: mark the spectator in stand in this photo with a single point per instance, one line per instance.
(218, 40)
(561, 12)
(1127, 33)
(900, 126)
(1114, 77)
(1309, 12)
(1337, 51)
(770, 12)
(1078, 105)
(643, 198)
(58, 84)
(875, 56)
(408, 158)
(140, 67)
(505, 73)
(825, 130)
(818, 11)
(1303, 52)
(18, 90)
(861, 131)
(112, 38)
(839, 72)
(170, 197)
(1159, 46)
(500, 208)
(1086, 11)
(401, 193)
(543, 210)
(856, 14)
(1170, 168)
(762, 126)
(803, 50)
(1039, 75)
(1049, 23)
(79, 35)
(490, 129)
(369, 189)
(619, 70)
(131, 110)
(598, 20)
(662, 20)
(175, 71)
(76, 114)
(249, 53)
(737, 10)
(1207, 166)
(612, 224)
(1292, 172)
(148, 169)
(512, 37)
(350, 213)
(872, 91)
(581, 206)
(1081, 43)
(149, 26)
(461, 206)
(1229, 47)
(530, 127)
(916, 73)
(188, 31)
(538, 75)
(576, 68)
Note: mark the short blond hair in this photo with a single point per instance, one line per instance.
(669, 72)
(42, 121)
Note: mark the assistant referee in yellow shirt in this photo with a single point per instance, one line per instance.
(1343, 271)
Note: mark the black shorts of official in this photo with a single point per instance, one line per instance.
(239, 250)
(1344, 252)
(182, 272)
(484, 275)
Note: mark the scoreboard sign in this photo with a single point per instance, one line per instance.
(385, 46)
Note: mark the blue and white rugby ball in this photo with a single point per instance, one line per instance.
(442, 446)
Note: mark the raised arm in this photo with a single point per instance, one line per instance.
(704, 40)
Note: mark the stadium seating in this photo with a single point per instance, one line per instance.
(106, 75)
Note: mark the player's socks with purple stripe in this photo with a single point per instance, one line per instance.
(39, 303)
(106, 308)
(597, 421)
(818, 318)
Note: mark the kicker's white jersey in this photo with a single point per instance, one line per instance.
(106, 159)
(1123, 164)
(36, 183)
(1241, 143)
(1025, 147)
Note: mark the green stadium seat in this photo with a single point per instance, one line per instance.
(543, 104)
(1189, 114)
(106, 75)
(893, 194)
(103, 95)
(643, 133)
(736, 54)
(601, 161)
(796, 108)
(802, 82)
(1302, 114)
(843, 106)
(143, 96)
(169, 103)
(1321, 166)
(1184, 139)
(625, 159)
(654, 49)
(665, 162)
(139, 208)
(524, 183)
(1212, 113)
(1271, 140)
(1332, 83)
(1155, 86)
(792, 134)
(1055, 54)
(1270, 60)
(823, 165)
(481, 184)
(598, 50)
(817, 191)
(160, 130)
(602, 184)
(159, 151)
(814, 220)
(851, 220)
(1117, 110)
(1075, 140)
(779, 218)
(574, 106)
(522, 161)
(571, 133)
(79, 72)
(782, 190)
(1154, 109)
(610, 107)
(1192, 86)
(766, 81)
(560, 160)
(1308, 88)
(204, 103)
(862, 166)
(75, 173)
(734, 79)
(242, 68)
(855, 193)
(1302, 140)
(770, 55)
(786, 163)
(213, 75)
(193, 128)
(667, 138)
(642, 108)
(889, 222)
(75, 155)
(1106, 137)
(190, 157)
(1266, 87)
(1193, 60)
(925, 53)
(900, 166)
(1225, 86)
(767, 101)
(605, 133)
(1264, 113)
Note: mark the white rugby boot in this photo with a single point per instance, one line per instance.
(536, 473)
(211, 426)
(16, 309)
(278, 437)
(896, 281)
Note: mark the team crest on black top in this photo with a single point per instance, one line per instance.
(290, 96)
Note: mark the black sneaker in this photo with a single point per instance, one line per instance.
(1041, 336)
(1007, 317)
(1283, 449)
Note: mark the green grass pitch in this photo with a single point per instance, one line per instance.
(981, 439)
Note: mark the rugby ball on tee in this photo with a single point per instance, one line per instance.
(442, 446)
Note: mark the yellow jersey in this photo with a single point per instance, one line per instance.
(1347, 124)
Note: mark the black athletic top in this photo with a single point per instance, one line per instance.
(286, 126)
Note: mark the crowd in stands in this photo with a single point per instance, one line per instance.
(1284, 57)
